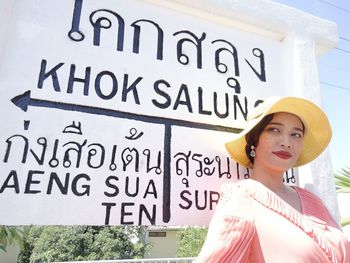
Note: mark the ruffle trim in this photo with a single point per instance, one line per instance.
(312, 226)
(314, 206)
(228, 240)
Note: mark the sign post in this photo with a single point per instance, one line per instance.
(115, 114)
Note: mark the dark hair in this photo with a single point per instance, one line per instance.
(252, 137)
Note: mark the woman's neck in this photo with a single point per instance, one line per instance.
(273, 180)
(270, 178)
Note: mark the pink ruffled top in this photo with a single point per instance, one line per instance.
(253, 224)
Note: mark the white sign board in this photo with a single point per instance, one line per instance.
(116, 112)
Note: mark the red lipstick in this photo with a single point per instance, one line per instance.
(282, 154)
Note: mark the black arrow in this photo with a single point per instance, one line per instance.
(24, 100)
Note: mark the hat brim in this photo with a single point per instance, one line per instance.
(317, 135)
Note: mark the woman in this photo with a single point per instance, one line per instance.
(261, 219)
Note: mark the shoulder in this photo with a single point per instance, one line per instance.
(230, 192)
(234, 201)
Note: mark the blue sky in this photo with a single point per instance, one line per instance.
(334, 74)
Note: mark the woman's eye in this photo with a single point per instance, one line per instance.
(297, 135)
(273, 129)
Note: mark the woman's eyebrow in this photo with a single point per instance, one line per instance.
(299, 129)
(275, 123)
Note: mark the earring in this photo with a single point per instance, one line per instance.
(252, 151)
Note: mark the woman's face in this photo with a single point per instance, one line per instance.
(280, 143)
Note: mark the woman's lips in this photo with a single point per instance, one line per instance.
(282, 154)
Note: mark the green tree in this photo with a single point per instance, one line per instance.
(10, 235)
(191, 241)
(342, 182)
(30, 235)
(74, 243)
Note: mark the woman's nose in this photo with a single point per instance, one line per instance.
(285, 141)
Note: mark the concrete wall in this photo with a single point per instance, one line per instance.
(10, 256)
(164, 247)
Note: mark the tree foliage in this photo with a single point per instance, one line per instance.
(191, 241)
(74, 243)
(10, 235)
(30, 235)
(342, 182)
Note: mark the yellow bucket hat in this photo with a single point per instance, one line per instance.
(318, 131)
